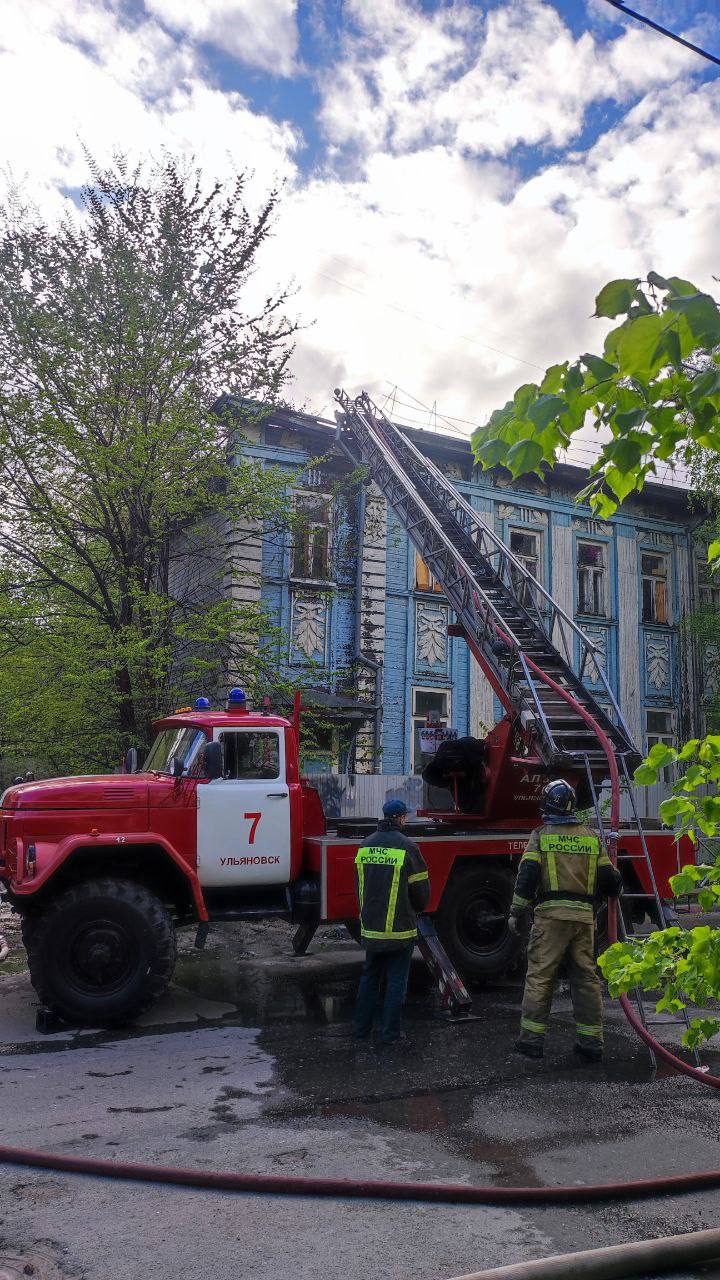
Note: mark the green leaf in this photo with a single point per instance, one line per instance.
(635, 345)
(702, 314)
(714, 551)
(658, 281)
(633, 418)
(573, 380)
(622, 483)
(491, 453)
(600, 369)
(553, 379)
(689, 749)
(603, 504)
(524, 457)
(545, 410)
(661, 756)
(645, 775)
(704, 384)
(669, 345)
(524, 397)
(680, 286)
(615, 298)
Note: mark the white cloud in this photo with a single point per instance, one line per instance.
(74, 74)
(260, 33)
(483, 83)
(451, 261)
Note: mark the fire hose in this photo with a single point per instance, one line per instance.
(4, 949)
(438, 1193)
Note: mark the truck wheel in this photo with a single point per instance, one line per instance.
(102, 952)
(472, 921)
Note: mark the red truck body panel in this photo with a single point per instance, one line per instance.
(333, 859)
(61, 815)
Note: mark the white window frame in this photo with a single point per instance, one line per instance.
(445, 720)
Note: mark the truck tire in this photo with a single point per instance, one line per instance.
(101, 952)
(472, 921)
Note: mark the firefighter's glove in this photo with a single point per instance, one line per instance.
(514, 924)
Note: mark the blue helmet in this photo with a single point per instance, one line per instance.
(558, 799)
(394, 809)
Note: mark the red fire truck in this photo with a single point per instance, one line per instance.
(220, 825)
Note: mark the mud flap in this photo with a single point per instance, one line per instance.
(454, 996)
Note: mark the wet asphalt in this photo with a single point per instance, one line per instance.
(249, 1064)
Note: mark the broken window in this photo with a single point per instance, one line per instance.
(424, 579)
(591, 578)
(655, 602)
(432, 703)
(311, 537)
(526, 548)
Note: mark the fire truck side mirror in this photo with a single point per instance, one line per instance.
(176, 767)
(131, 760)
(213, 760)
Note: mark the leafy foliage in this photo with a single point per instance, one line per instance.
(687, 808)
(655, 391)
(682, 964)
(129, 364)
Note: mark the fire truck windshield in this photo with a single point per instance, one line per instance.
(184, 744)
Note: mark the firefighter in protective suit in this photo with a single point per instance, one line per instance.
(392, 887)
(563, 872)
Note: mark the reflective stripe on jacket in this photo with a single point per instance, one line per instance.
(564, 870)
(392, 885)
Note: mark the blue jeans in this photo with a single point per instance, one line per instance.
(394, 967)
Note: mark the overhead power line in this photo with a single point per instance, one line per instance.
(460, 337)
(664, 31)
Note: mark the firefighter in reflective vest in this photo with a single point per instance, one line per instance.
(563, 872)
(392, 886)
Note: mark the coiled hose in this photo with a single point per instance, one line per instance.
(437, 1193)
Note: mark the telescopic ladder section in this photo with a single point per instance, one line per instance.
(495, 598)
(534, 655)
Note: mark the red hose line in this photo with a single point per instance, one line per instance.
(358, 1189)
(695, 1073)
(447, 1193)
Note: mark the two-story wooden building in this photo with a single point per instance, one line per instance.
(365, 626)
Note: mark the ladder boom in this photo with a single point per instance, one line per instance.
(508, 619)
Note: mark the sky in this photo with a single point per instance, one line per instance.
(459, 178)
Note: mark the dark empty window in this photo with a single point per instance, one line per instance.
(251, 755)
(591, 559)
(311, 537)
(526, 548)
(655, 603)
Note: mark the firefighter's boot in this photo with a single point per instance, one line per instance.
(529, 1048)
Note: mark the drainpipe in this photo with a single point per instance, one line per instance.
(359, 655)
(696, 680)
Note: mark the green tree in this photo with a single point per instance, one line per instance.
(132, 359)
(653, 397)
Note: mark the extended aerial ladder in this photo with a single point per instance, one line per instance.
(535, 656)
